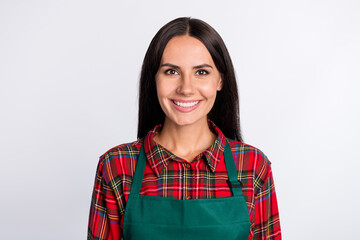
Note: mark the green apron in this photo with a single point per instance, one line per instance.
(162, 218)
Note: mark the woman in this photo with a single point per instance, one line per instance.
(188, 176)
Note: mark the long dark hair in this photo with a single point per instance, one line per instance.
(225, 112)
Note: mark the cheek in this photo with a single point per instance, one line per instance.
(161, 93)
(209, 90)
(161, 89)
(165, 87)
(159, 86)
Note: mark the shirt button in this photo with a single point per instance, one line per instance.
(187, 197)
(187, 165)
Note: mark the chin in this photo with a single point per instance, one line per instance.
(184, 122)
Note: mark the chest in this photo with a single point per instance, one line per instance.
(185, 181)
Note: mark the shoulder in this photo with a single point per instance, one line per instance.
(243, 149)
(119, 161)
(123, 150)
(251, 163)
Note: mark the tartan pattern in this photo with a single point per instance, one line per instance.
(167, 175)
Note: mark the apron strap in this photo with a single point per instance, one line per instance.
(234, 183)
(139, 173)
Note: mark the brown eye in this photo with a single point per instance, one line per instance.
(171, 72)
(202, 72)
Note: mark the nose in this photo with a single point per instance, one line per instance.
(186, 86)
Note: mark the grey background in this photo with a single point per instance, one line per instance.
(68, 92)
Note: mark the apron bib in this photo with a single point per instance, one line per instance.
(162, 218)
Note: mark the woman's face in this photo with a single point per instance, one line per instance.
(187, 81)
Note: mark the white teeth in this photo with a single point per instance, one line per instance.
(187, 104)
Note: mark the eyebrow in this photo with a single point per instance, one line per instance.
(177, 67)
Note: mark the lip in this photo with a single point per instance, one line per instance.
(185, 101)
(185, 109)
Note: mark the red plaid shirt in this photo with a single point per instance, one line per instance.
(167, 175)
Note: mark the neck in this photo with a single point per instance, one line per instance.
(186, 141)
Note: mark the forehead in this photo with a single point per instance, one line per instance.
(186, 49)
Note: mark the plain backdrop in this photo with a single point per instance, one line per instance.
(69, 75)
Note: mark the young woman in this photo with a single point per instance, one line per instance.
(188, 176)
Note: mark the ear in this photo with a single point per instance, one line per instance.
(220, 84)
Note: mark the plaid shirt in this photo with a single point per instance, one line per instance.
(167, 175)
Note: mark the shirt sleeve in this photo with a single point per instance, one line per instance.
(104, 216)
(267, 224)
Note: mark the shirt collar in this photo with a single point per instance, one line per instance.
(158, 157)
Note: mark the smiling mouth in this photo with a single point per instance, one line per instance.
(185, 104)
